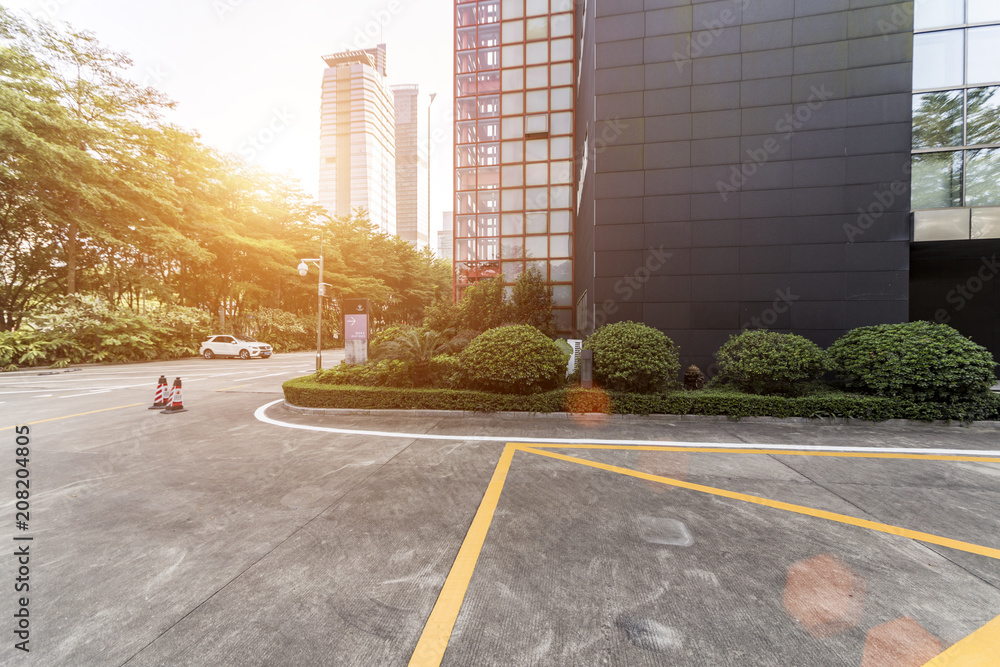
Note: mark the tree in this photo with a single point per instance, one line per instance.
(483, 306)
(531, 302)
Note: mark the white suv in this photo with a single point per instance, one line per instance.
(243, 347)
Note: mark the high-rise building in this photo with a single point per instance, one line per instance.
(411, 165)
(357, 137)
(446, 236)
(733, 164)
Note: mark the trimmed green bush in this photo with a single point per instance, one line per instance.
(384, 373)
(515, 359)
(918, 361)
(307, 392)
(767, 362)
(444, 372)
(633, 357)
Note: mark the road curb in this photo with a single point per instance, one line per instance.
(594, 416)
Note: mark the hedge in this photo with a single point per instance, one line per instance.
(306, 392)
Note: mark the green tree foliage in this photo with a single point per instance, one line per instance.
(99, 195)
(531, 302)
(629, 356)
(483, 306)
(769, 362)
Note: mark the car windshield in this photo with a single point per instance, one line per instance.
(250, 340)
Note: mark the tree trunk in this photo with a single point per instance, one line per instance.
(71, 248)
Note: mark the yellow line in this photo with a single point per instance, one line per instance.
(775, 452)
(799, 509)
(437, 631)
(79, 414)
(233, 387)
(980, 649)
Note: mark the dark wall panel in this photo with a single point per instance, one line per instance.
(766, 186)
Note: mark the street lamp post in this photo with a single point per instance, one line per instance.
(303, 270)
(429, 242)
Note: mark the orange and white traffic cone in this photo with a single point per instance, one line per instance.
(160, 399)
(176, 401)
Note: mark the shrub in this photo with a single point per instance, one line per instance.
(378, 341)
(767, 362)
(444, 372)
(917, 360)
(417, 347)
(531, 302)
(633, 357)
(515, 359)
(384, 373)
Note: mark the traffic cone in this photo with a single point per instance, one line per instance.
(176, 401)
(160, 399)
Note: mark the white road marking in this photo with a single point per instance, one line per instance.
(259, 414)
(267, 376)
(89, 393)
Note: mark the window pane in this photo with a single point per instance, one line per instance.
(513, 79)
(561, 196)
(562, 172)
(937, 180)
(512, 9)
(513, 151)
(984, 65)
(536, 223)
(512, 248)
(562, 295)
(536, 246)
(537, 124)
(513, 175)
(536, 199)
(513, 32)
(983, 11)
(513, 56)
(562, 75)
(983, 177)
(536, 7)
(513, 127)
(512, 269)
(537, 101)
(512, 224)
(562, 123)
(537, 28)
(938, 13)
(938, 59)
(513, 104)
(489, 106)
(559, 246)
(537, 77)
(562, 271)
(559, 222)
(513, 200)
(984, 116)
(562, 148)
(562, 25)
(562, 98)
(537, 174)
(537, 149)
(562, 49)
(538, 52)
(937, 119)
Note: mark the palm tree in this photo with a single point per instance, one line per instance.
(419, 347)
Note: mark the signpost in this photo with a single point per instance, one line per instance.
(356, 330)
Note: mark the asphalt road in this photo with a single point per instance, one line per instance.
(217, 537)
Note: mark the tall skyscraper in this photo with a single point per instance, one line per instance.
(411, 165)
(446, 236)
(357, 137)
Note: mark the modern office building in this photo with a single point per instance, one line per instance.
(357, 137)
(733, 164)
(446, 236)
(412, 221)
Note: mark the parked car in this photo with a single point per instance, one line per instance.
(243, 347)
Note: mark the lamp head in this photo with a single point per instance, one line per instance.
(303, 269)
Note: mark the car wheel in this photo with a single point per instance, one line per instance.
(209, 355)
(244, 354)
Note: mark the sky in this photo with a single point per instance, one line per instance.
(245, 70)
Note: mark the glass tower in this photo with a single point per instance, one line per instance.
(514, 99)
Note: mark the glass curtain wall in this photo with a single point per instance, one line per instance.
(514, 94)
(956, 105)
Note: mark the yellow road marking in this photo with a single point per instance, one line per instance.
(79, 414)
(233, 387)
(440, 624)
(774, 452)
(798, 509)
(980, 649)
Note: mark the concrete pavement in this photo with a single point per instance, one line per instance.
(214, 538)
